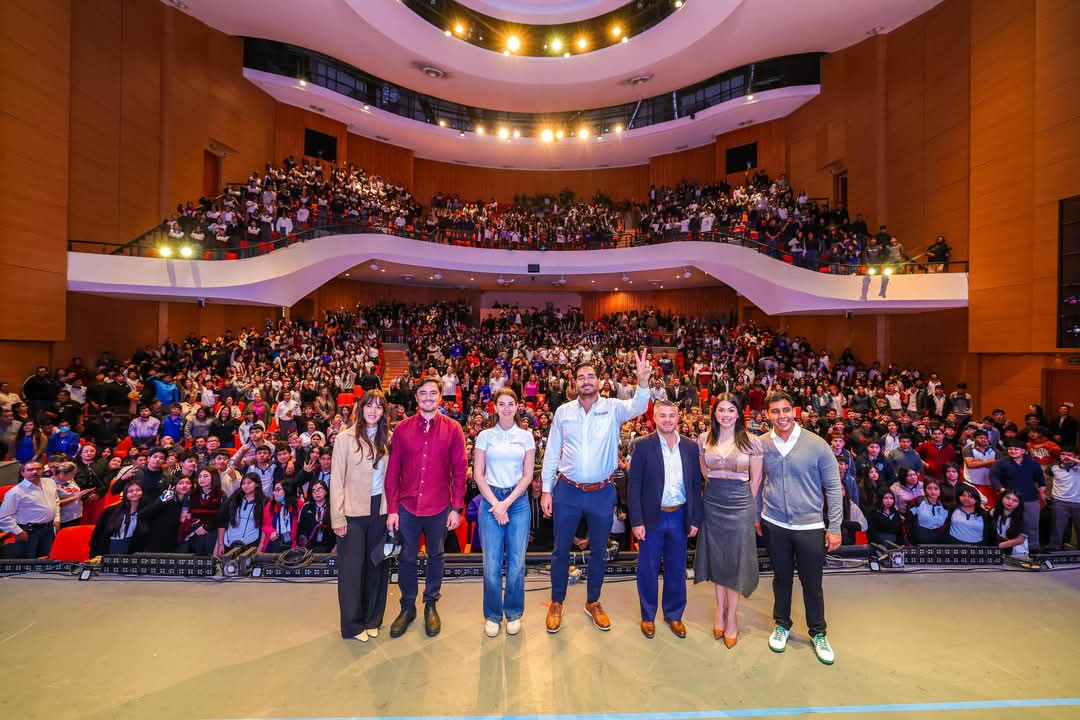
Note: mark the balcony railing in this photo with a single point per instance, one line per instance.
(158, 244)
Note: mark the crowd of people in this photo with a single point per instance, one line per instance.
(765, 212)
(194, 421)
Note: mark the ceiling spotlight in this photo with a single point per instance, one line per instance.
(437, 276)
(479, 129)
(374, 265)
(687, 274)
(165, 251)
(366, 106)
(625, 39)
(506, 53)
(461, 133)
(582, 43)
(678, 4)
(185, 251)
(504, 133)
(546, 135)
(618, 129)
(459, 29)
(346, 274)
(559, 134)
(750, 96)
(442, 123)
(447, 33)
(517, 133)
(513, 43)
(303, 82)
(556, 45)
(583, 133)
(616, 31)
(566, 54)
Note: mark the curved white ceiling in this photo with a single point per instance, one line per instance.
(543, 12)
(703, 38)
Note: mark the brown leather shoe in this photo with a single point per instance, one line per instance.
(676, 627)
(554, 617)
(648, 629)
(598, 616)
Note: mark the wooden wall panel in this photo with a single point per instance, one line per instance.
(713, 302)
(694, 164)
(374, 157)
(35, 66)
(97, 323)
(473, 183)
(289, 125)
(18, 359)
(771, 138)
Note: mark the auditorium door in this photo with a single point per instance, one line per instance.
(1059, 386)
(211, 174)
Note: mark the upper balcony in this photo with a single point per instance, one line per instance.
(295, 269)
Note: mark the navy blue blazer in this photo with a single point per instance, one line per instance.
(646, 481)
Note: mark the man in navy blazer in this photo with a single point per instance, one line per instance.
(665, 509)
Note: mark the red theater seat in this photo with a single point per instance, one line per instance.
(72, 544)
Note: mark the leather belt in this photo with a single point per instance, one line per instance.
(586, 487)
(671, 508)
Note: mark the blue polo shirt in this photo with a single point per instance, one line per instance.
(1025, 477)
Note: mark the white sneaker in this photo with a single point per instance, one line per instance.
(373, 633)
(513, 627)
(778, 639)
(362, 636)
(823, 650)
(491, 629)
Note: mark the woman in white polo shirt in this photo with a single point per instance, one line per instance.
(503, 468)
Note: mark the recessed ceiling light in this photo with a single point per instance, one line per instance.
(447, 33)
(303, 83)
(459, 29)
(556, 45)
(582, 43)
(513, 43)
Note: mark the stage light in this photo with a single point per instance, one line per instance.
(625, 39)
(678, 4)
(303, 82)
(871, 271)
(566, 54)
(888, 270)
(750, 97)
(506, 53)
(479, 130)
(513, 43)
(447, 33)
(618, 129)
(546, 135)
(556, 45)
(559, 134)
(366, 106)
(442, 123)
(504, 133)
(616, 31)
(517, 134)
(583, 133)
(461, 133)
(582, 43)
(459, 29)
(185, 251)
(165, 251)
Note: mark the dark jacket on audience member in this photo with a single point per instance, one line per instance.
(99, 540)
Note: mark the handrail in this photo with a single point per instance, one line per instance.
(468, 238)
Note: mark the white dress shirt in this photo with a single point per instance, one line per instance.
(785, 447)
(584, 446)
(27, 503)
(674, 488)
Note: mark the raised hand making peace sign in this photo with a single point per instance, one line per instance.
(644, 367)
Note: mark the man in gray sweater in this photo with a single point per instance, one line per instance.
(801, 475)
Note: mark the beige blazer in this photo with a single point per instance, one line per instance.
(351, 473)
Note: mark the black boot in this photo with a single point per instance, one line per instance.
(402, 621)
(432, 623)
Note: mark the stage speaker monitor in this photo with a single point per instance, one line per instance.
(534, 268)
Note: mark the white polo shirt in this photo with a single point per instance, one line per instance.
(504, 454)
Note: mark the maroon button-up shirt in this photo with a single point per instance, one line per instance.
(426, 470)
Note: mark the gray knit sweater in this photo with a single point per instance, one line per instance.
(797, 486)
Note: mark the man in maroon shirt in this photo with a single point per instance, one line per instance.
(936, 454)
(425, 493)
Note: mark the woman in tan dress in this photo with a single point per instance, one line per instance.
(727, 547)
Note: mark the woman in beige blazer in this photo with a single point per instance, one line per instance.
(358, 516)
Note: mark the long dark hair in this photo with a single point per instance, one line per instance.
(376, 447)
(289, 501)
(122, 514)
(1016, 520)
(742, 438)
(236, 500)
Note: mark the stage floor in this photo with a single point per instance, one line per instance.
(907, 645)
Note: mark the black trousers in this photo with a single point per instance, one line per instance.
(361, 583)
(803, 550)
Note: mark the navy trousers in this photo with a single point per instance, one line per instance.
(666, 542)
(568, 505)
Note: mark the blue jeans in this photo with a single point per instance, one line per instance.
(666, 541)
(433, 527)
(504, 541)
(568, 505)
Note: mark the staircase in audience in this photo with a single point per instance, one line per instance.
(395, 362)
